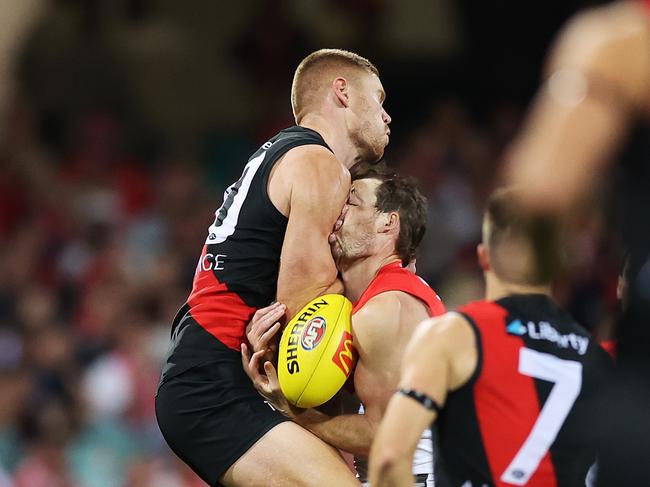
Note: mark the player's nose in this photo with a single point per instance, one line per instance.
(386, 117)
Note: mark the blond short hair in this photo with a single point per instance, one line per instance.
(313, 70)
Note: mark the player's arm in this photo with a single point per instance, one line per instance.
(373, 327)
(597, 77)
(319, 187)
(440, 357)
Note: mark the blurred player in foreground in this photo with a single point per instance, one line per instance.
(596, 95)
(512, 381)
(269, 241)
(384, 224)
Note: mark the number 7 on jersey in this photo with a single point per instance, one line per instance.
(566, 376)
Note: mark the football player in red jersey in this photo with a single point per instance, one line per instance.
(383, 225)
(511, 381)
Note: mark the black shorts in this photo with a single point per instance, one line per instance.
(211, 414)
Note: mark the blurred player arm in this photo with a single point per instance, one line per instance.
(597, 77)
(319, 188)
(441, 356)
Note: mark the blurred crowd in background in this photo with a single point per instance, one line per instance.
(129, 120)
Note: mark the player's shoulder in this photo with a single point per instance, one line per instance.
(445, 325)
(376, 325)
(389, 296)
(382, 313)
(449, 333)
(380, 308)
(398, 276)
(313, 161)
(312, 173)
(409, 285)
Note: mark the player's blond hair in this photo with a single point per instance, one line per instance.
(317, 70)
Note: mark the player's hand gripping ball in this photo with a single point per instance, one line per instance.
(316, 353)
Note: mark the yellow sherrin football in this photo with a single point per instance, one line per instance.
(316, 353)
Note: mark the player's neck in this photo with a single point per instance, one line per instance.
(359, 273)
(334, 136)
(496, 288)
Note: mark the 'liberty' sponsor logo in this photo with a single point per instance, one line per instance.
(543, 330)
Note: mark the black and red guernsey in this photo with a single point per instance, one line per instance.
(238, 268)
(528, 414)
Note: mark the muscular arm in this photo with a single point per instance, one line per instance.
(352, 433)
(318, 186)
(440, 357)
(375, 328)
(597, 78)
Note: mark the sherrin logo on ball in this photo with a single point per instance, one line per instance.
(313, 333)
(316, 354)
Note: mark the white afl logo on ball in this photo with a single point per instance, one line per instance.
(313, 333)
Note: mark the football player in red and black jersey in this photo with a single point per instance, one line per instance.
(595, 99)
(512, 382)
(269, 241)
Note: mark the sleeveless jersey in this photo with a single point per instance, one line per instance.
(527, 415)
(394, 277)
(238, 268)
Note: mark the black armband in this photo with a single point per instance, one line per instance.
(422, 398)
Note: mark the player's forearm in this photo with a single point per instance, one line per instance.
(390, 471)
(297, 290)
(352, 433)
(562, 150)
(396, 439)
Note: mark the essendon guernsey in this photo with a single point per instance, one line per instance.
(238, 267)
(528, 414)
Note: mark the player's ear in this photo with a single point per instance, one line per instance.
(340, 89)
(483, 257)
(389, 222)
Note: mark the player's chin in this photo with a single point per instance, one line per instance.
(376, 155)
(381, 145)
(337, 250)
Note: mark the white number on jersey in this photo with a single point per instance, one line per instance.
(227, 215)
(567, 378)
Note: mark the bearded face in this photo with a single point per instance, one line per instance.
(356, 237)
